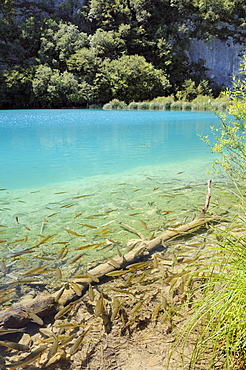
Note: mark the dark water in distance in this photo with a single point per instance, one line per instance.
(45, 147)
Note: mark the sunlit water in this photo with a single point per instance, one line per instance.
(44, 147)
(86, 170)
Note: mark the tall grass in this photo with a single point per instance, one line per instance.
(216, 298)
(168, 103)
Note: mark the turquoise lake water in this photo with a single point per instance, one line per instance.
(74, 175)
(44, 147)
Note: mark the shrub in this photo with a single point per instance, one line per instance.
(133, 105)
(115, 104)
(143, 105)
(186, 106)
(177, 105)
(155, 106)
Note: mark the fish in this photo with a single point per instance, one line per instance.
(75, 259)
(78, 342)
(143, 224)
(90, 226)
(64, 310)
(44, 240)
(45, 258)
(116, 273)
(4, 331)
(135, 214)
(167, 196)
(91, 293)
(82, 196)
(35, 318)
(137, 306)
(30, 358)
(98, 245)
(114, 263)
(72, 232)
(52, 214)
(61, 192)
(14, 345)
(59, 294)
(92, 277)
(61, 243)
(95, 216)
(122, 291)
(85, 247)
(26, 281)
(172, 220)
(99, 306)
(3, 267)
(115, 308)
(158, 187)
(17, 219)
(53, 349)
(69, 325)
(27, 228)
(63, 252)
(68, 339)
(155, 261)
(78, 215)
(78, 289)
(58, 273)
(164, 213)
(67, 205)
(138, 265)
(156, 311)
(112, 210)
(18, 241)
(35, 270)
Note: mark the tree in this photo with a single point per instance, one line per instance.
(107, 44)
(230, 142)
(132, 78)
(16, 87)
(53, 89)
(59, 41)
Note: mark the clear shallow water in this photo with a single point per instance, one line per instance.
(44, 147)
(86, 170)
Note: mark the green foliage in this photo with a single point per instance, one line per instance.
(83, 41)
(16, 87)
(58, 42)
(107, 44)
(190, 90)
(115, 104)
(53, 89)
(132, 78)
(133, 105)
(230, 136)
(177, 105)
(216, 318)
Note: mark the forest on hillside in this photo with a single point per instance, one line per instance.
(75, 54)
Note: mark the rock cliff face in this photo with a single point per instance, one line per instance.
(221, 58)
